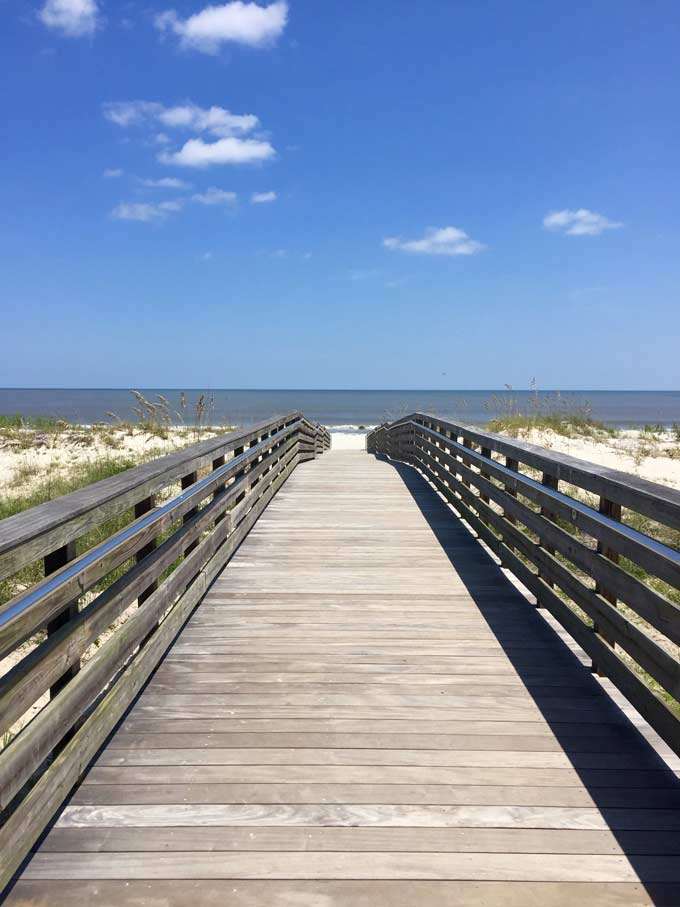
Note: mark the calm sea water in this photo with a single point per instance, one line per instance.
(344, 408)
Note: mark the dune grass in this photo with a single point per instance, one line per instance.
(571, 419)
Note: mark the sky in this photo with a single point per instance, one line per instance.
(431, 194)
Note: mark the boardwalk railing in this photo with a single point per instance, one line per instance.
(163, 559)
(563, 527)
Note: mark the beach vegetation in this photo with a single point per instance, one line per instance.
(9, 421)
(545, 412)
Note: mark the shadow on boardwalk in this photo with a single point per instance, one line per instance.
(632, 787)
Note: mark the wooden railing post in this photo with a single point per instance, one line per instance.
(513, 464)
(550, 481)
(485, 452)
(186, 481)
(216, 464)
(255, 462)
(53, 562)
(237, 453)
(467, 443)
(613, 510)
(141, 508)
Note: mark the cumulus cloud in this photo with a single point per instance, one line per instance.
(166, 182)
(437, 241)
(233, 145)
(580, 222)
(236, 22)
(215, 196)
(74, 18)
(216, 120)
(112, 173)
(261, 198)
(200, 154)
(145, 212)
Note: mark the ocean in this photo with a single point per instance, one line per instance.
(344, 408)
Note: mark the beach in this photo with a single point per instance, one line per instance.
(29, 458)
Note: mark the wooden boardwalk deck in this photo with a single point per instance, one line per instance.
(364, 711)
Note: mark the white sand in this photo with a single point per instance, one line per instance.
(348, 440)
(54, 454)
(631, 451)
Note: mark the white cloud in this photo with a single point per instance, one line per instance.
(129, 113)
(261, 198)
(215, 196)
(213, 119)
(216, 120)
(145, 212)
(112, 173)
(74, 18)
(581, 222)
(234, 145)
(197, 153)
(166, 182)
(437, 241)
(236, 22)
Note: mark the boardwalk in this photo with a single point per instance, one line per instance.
(364, 711)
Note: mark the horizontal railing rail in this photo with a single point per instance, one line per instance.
(562, 526)
(162, 559)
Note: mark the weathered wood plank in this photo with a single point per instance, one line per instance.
(364, 893)
(390, 815)
(368, 865)
(112, 839)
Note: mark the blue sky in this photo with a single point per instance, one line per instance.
(382, 194)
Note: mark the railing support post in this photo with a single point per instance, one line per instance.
(237, 453)
(485, 452)
(550, 481)
(141, 508)
(53, 562)
(216, 464)
(613, 510)
(466, 443)
(186, 482)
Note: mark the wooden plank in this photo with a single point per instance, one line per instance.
(351, 893)
(341, 772)
(368, 865)
(300, 754)
(583, 750)
(99, 795)
(389, 815)
(592, 734)
(112, 839)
